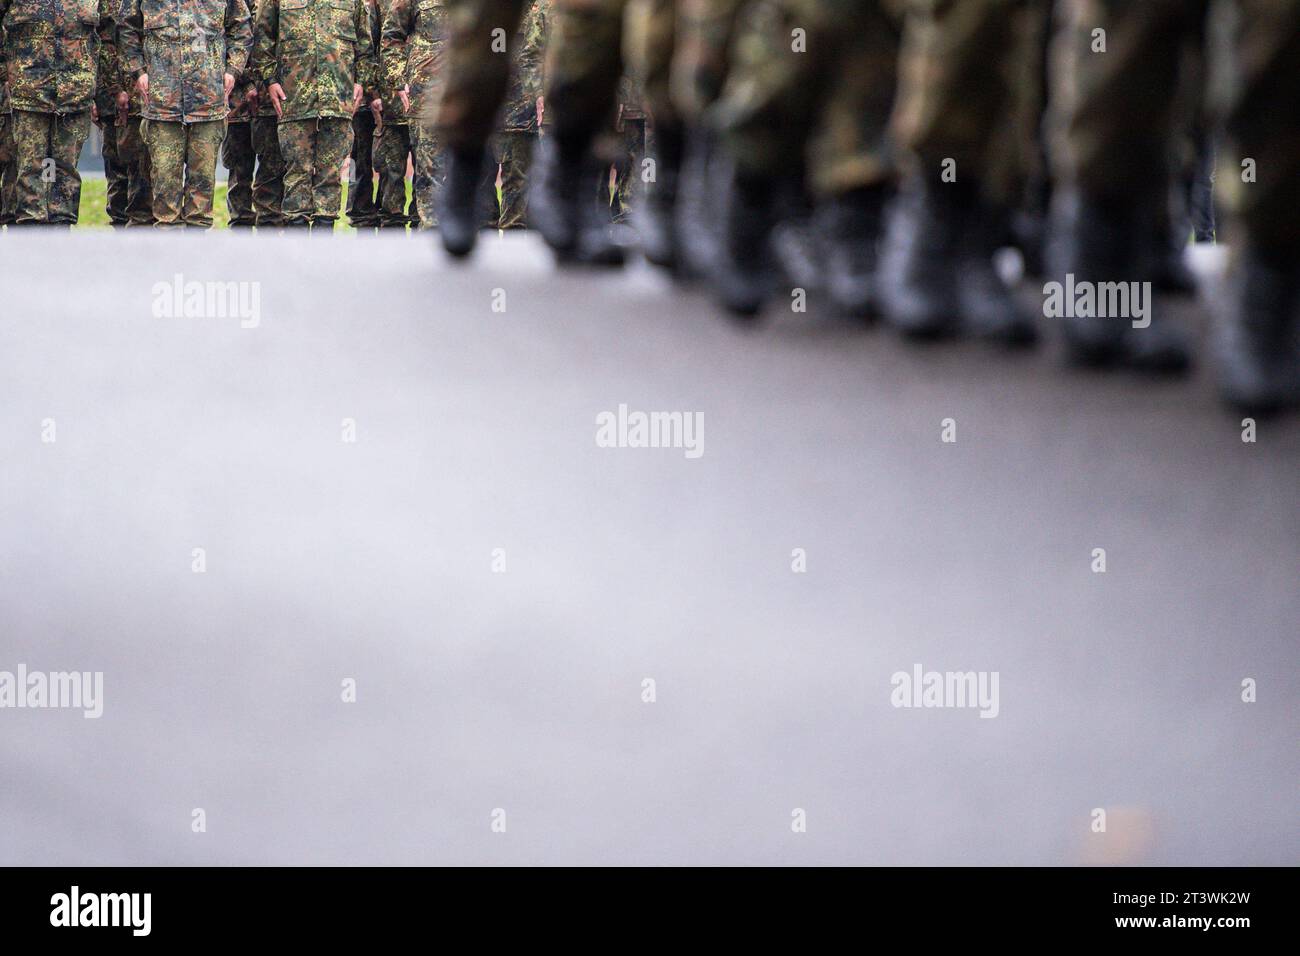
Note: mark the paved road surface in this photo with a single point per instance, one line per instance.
(521, 690)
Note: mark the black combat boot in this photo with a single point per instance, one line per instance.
(743, 273)
(457, 201)
(1100, 243)
(562, 206)
(656, 226)
(1258, 363)
(849, 226)
(989, 310)
(922, 249)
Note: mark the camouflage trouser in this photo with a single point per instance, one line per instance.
(584, 61)
(314, 150)
(183, 171)
(48, 193)
(391, 150)
(131, 149)
(116, 176)
(427, 173)
(268, 181)
(703, 30)
(8, 169)
(654, 29)
(514, 151)
(959, 62)
(475, 76)
(826, 104)
(240, 160)
(1116, 132)
(362, 211)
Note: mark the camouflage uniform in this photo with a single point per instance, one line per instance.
(513, 143)
(107, 85)
(630, 146)
(316, 50)
(237, 152)
(363, 212)
(1118, 128)
(185, 106)
(50, 55)
(411, 54)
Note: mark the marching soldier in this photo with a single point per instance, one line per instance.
(108, 83)
(411, 55)
(363, 211)
(237, 152)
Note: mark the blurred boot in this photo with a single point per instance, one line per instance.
(1102, 243)
(458, 201)
(743, 275)
(1258, 367)
(656, 224)
(696, 235)
(851, 224)
(922, 246)
(989, 310)
(560, 205)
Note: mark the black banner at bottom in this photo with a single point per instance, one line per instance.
(338, 905)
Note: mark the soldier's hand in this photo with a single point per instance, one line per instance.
(250, 97)
(377, 111)
(404, 94)
(541, 109)
(94, 113)
(228, 84)
(123, 104)
(142, 84)
(357, 95)
(277, 98)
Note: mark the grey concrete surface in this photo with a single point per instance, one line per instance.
(521, 690)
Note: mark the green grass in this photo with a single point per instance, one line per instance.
(94, 216)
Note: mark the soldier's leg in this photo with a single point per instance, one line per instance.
(240, 161)
(515, 153)
(166, 142)
(333, 143)
(475, 78)
(202, 144)
(116, 175)
(391, 150)
(774, 96)
(67, 137)
(1116, 87)
(8, 170)
(31, 149)
(298, 147)
(268, 181)
(426, 176)
(139, 193)
(1259, 368)
(655, 29)
(362, 213)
